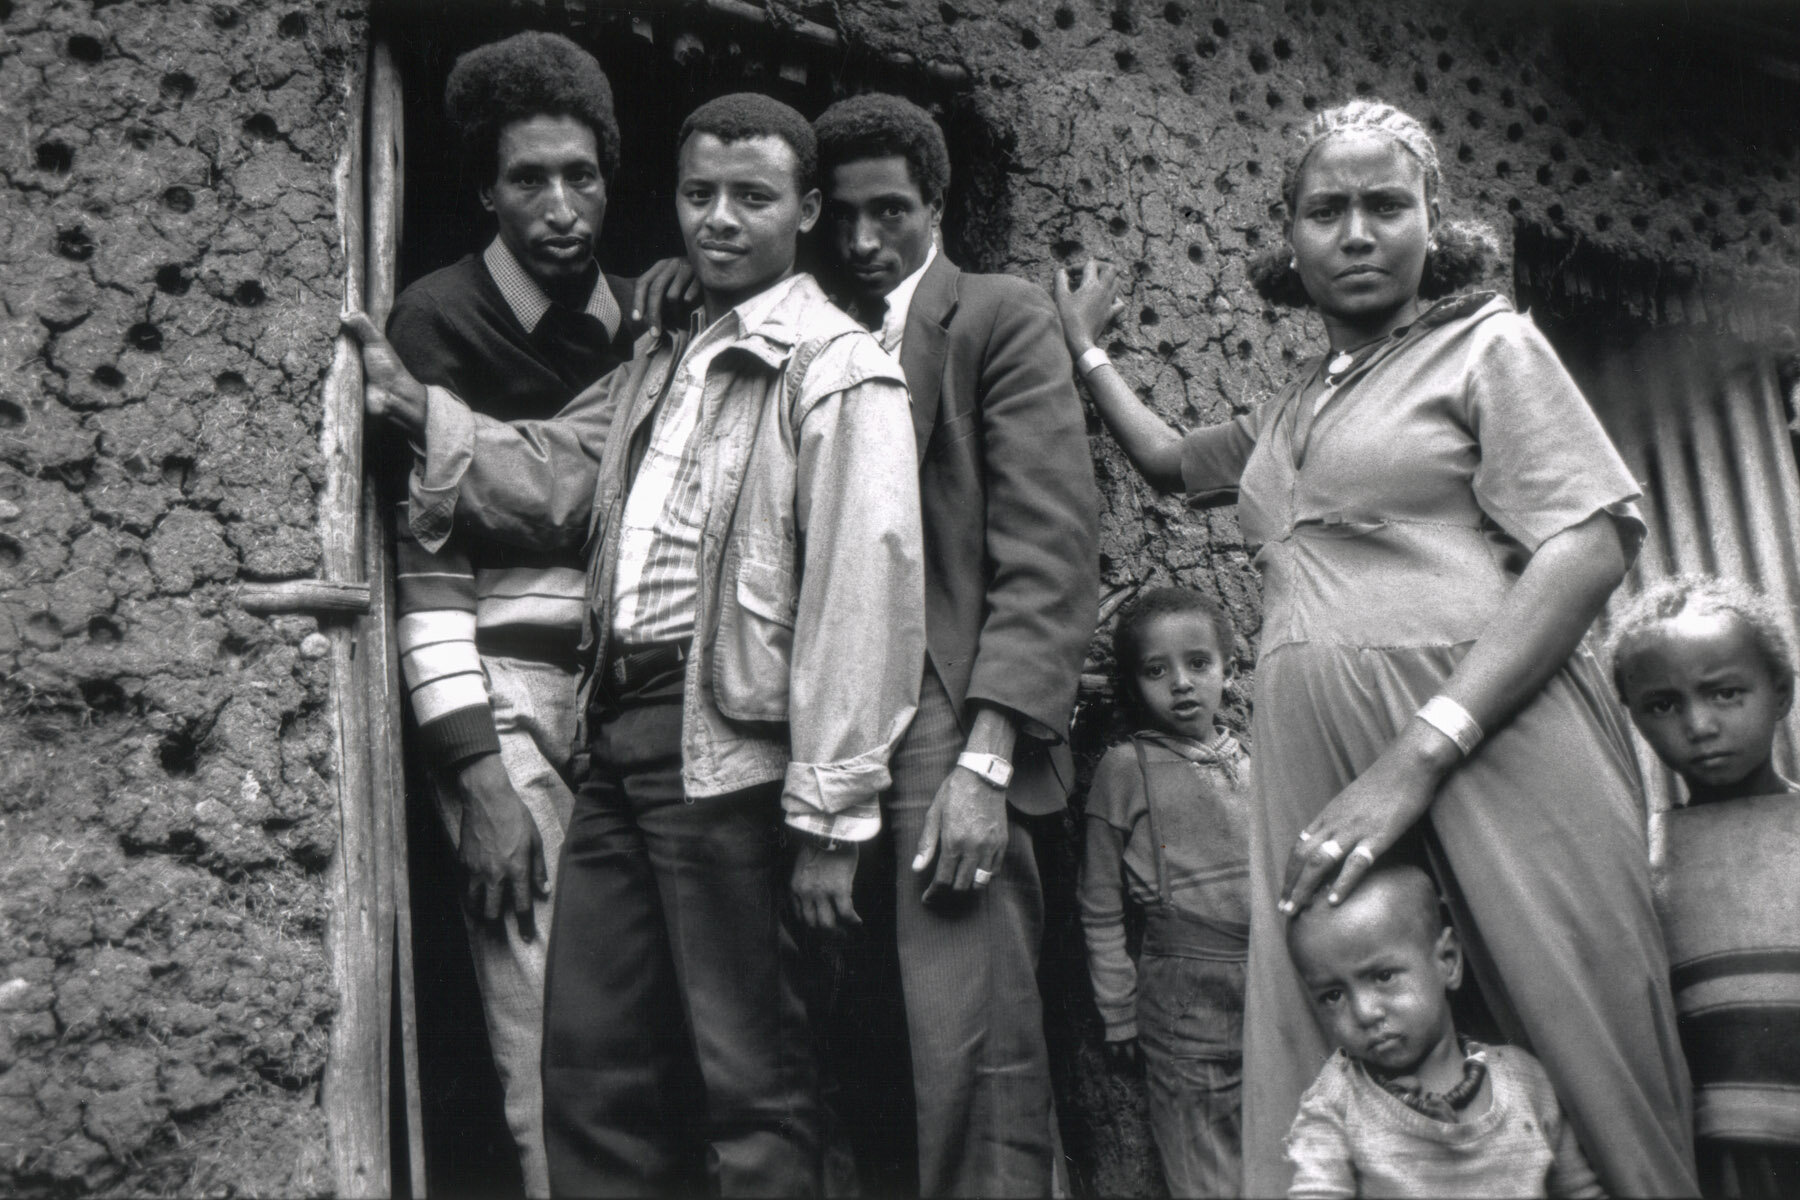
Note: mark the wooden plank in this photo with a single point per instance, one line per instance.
(386, 688)
(354, 1091)
(304, 595)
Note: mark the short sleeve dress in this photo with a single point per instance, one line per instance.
(1390, 524)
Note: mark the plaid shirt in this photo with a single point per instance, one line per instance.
(659, 540)
(527, 299)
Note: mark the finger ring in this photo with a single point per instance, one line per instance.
(982, 875)
(1305, 836)
(1363, 852)
(1331, 850)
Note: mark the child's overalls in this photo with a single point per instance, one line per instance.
(1190, 1012)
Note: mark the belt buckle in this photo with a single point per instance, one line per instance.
(620, 670)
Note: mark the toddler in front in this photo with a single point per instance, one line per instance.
(1168, 825)
(1706, 668)
(1405, 1107)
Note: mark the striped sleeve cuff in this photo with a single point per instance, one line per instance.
(458, 736)
(858, 823)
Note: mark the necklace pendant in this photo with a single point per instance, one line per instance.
(1340, 363)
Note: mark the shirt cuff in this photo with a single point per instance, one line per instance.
(856, 824)
(439, 469)
(458, 736)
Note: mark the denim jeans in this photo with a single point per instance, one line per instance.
(534, 714)
(674, 1030)
(1190, 1027)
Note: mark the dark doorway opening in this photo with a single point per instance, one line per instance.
(662, 61)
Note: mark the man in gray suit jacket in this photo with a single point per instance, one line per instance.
(1011, 581)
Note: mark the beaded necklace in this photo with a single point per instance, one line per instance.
(1443, 1106)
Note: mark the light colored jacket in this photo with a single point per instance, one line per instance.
(810, 611)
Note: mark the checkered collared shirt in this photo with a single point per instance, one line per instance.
(657, 583)
(527, 299)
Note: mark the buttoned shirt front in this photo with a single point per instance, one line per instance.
(892, 333)
(527, 299)
(659, 541)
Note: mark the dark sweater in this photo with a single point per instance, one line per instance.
(454, 329)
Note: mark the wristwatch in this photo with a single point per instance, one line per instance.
(991, 767)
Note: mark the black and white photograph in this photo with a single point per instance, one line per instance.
(873, 599)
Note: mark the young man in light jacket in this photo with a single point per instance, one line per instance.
(747, 492)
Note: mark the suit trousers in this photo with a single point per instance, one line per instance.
(534, 714)
(674, 1030)
(968, 970)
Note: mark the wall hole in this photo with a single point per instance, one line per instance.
(172, 280)
(1476, 118)
(1465, 153)
(108, 376)
(1244, 348)
(1555, 213)
(1514, 204)
(12, 415)
(1195, 252)
(1364, 87)
(1028, 38)
(1540, 114)
(179, 752)
(1149, 163)
(1710, 208)
(1119, 226)
(83, 48)
(1506, 98)
(104, 631)
(1273, 98)
(1148, 317)
(1064, 17)
(1126, 59)
(1503, 169)
(176, 470)
(178, 199)
(1173, 13)
(1220, 28)
(1677, 237)
(1283, 49)
(230, 383)
(1602, 222)
(1259, 61)
(224, 16)
(1544, 173)
(1253, 237)
(144, 336)
(55, 157)
(1746, 205)
(1253, 167)
(1581, 175)
(178, 86)
(294, 25)
(1474, 84)
(74, 244)
(1515, 132)
(1421, 84)
(262, 126)
(1558, 152)
(140, 137)
(11, 552)
(1122, 22)
(101, 695)
(1066, 248)
(1206, 46)
(249, 294)
(1309, 102)
(1445, 60)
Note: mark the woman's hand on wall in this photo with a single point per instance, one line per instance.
(1089, 306)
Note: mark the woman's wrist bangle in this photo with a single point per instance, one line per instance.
(1091, 360)
(1453, 721)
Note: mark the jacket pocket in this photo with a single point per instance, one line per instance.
(755, 648)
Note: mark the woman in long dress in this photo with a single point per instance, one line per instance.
(1439, 519)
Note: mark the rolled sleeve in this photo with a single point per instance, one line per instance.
(1213, 458)
(859, 627)
(440, 466)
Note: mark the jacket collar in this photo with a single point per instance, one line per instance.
(927, 343)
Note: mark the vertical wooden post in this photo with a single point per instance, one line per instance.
(359, 930)
(385, 687)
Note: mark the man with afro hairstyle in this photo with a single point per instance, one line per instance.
(1009, 508)
(753, 635)
(487, 633)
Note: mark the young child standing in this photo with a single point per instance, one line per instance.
(1167, 824)
(1706, 668)
(1405, 1107)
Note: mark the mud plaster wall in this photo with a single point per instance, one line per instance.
(169, 282)
(1153, 134)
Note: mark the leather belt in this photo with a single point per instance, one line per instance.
(630, 667)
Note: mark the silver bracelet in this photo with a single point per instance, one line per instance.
(1453, 721)
(1091, 360)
